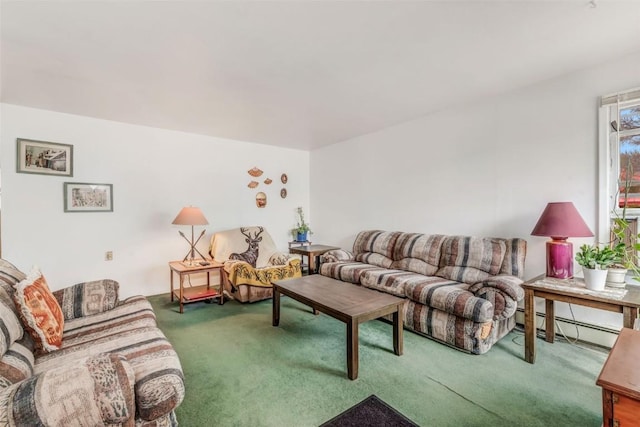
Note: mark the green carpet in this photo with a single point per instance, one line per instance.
(241, 371)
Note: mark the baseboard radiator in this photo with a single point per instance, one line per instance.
(587, 332)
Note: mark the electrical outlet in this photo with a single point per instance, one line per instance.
(108, 256)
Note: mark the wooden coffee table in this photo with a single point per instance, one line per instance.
(351, 304)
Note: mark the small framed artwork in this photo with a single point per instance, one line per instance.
(284, 178)
(45, 158)
(84, 197)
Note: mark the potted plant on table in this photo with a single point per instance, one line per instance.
(623, 242)
(595, 261)
(302, 229)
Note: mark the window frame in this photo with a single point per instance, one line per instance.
(609, 158)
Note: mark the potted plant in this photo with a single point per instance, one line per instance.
(595, 261)
(302, 229)
(623, 243)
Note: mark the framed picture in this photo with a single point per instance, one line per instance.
(84, 197)
(46, 158)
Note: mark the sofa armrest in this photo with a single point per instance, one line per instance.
(87, 298)
(503, 291)
(279, 258)
(94, 391)
(337, 255)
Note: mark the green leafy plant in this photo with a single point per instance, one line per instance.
(595, 257)
(302, 227)
(625, 254)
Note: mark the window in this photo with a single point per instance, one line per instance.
(619, 158)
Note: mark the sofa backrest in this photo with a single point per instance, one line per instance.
(224, 243)
(462, 258)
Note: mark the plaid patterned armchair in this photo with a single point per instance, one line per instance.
(251, 262)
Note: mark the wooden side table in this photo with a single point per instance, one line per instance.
(312, 252)
(620, 381)
(627, 305)
(194, 293)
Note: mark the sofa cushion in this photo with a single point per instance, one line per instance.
(87, 298)
(9, 274)
(471, 259)
(419, 253)
(346, 271)
(375, 247)
(442, 294)
(159, 381)
(40, 312)
(17, 363)
(94, 391)
(134, 312)
(10, 326)
(514, 256)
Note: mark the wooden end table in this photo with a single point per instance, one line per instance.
(627, 305)
(312, 252)
(194, 293)
(349, 303)
(620, 381)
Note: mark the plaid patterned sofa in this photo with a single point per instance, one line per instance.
(114, 367)
(461, 290)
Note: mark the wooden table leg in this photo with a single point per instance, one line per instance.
(550, 320)
(529, 326)
(276, 307)
(629, 315)
(181, 292)
(352, 349)
(171, 281)
(398, 341)
(312, 264)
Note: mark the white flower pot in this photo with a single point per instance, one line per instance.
(595, 279)
(616, 277)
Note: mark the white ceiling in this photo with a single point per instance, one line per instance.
(297, 74)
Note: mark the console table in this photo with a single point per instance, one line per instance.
(627, 305)
(620, 381)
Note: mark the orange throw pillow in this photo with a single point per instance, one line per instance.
(40, 312)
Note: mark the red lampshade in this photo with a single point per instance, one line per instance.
(562, 220)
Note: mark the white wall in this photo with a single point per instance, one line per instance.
(154, 173)
(487, 168)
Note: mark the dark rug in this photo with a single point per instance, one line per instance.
(371, 412)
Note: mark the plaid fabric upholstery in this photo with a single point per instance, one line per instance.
(17, 363)
(346, 271)
(375, 247)
(442, 294)
(463, 291)
(87, 298)
(514, 256)
(10, 326)
(94, 391)
(471, 259)
(464, 334)
(419, 253)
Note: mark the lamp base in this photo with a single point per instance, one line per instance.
(559, 258)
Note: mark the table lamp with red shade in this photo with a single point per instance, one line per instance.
(560, 220)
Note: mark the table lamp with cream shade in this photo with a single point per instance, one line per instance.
(560, 220)
(192, 216)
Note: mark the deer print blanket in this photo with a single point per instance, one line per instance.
(240, 247)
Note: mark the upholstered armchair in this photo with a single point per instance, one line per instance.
(251, 263)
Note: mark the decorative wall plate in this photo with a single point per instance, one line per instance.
(253, 184)
(284, 178)
(268, 181)
(254, 172)
(283, 193)
(261, 200)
